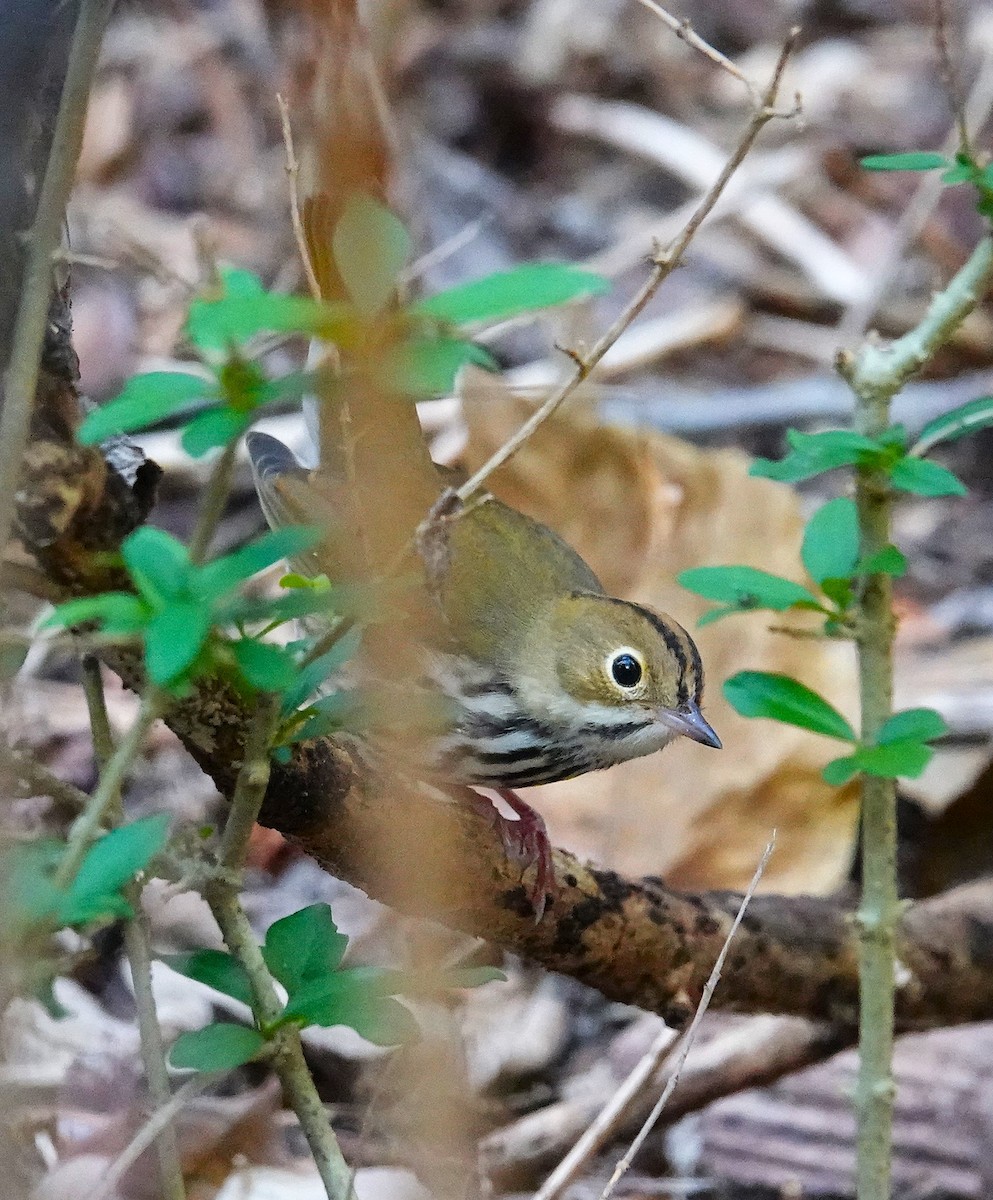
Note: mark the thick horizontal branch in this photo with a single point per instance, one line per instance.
(634, 940)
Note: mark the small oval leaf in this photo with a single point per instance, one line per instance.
(174, 638)
(218, 1047)
(913, 160)
(216, 969)
(917, 724)
(762, 694)
(157, 562)
(508, 293)
(304, 946)
(745, 587)
(145, 400)
(831, 541)
(925, 478)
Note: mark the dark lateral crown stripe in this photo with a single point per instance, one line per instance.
(677, 646)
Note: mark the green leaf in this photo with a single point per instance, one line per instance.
(507, 293)
(174, 638)
(217, 1047)
(838, 591)
(888, 561)
(917, 724)
(967, 418)
(244, 308)
(425, 367)
(964, 171)
(219, 577)
(915, 160)
(355, 998)
(214, 968)
(371, 248)
(907, 758)
(145, 400)
(26, 890)
(925, 478)
(831, 541)
(217, 326)
(213, 429)
(310, 678)
(839, 770)
(117, 612)
(744, 588)
(383, 1021)
(157, 562)
(814, 453)
(761, 694)
(303, 947)
(111, 862)
(329, 715)
(266, 667)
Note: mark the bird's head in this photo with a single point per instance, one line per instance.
(628, 675)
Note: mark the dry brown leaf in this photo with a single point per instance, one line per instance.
(641, 507)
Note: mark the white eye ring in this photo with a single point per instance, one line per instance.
(626, 669)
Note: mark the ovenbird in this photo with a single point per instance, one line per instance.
(544, 675)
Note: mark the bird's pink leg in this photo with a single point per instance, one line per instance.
(525, 841)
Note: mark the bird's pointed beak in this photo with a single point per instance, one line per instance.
(688, 721)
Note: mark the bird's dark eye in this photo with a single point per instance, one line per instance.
(626, 670)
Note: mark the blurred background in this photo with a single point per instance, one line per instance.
(581, 130)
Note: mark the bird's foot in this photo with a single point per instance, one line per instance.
(525, 841)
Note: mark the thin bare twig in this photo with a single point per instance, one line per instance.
(610, 1116)
(690, 1034)
(293, 178)
(686, 33)
(949, 75)
(23, 768)
(664, 263)
(137, 945)
(221, 893)
(149, 1132)
(915, 216)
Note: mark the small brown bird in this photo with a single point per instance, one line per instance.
(543, 675)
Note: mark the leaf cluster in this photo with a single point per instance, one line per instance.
(303, 952)
(413, 350)
(962, 168)
(901, 749)
(831, 554)
(34, 900)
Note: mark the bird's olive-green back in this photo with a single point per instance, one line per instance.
(502, 571)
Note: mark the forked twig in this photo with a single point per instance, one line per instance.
(610, 1116)
(664, 263)
(690, 1034)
